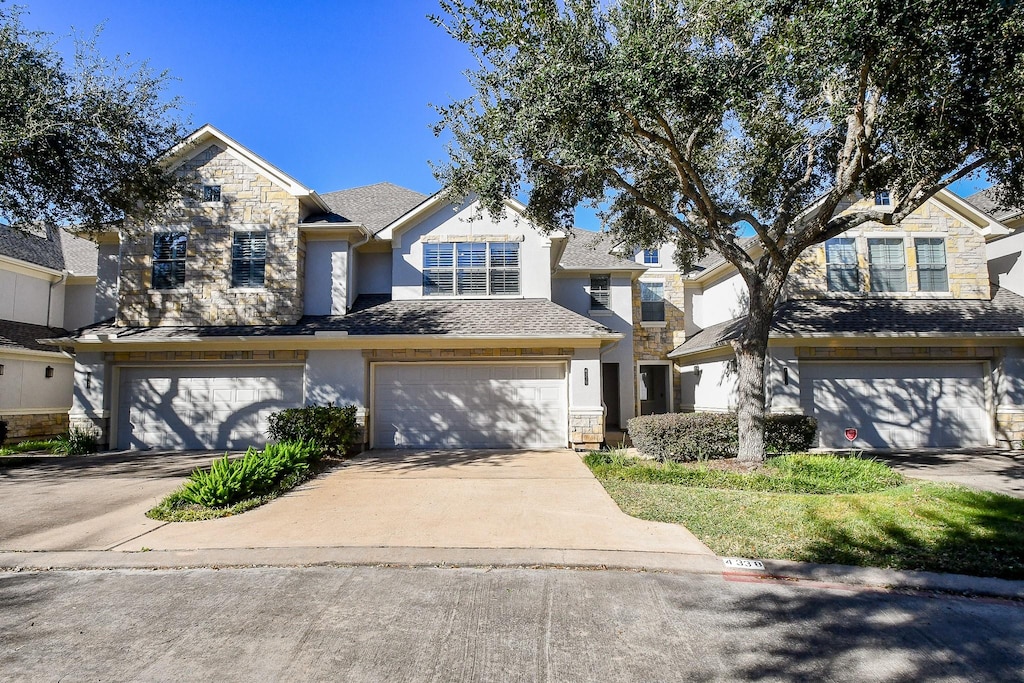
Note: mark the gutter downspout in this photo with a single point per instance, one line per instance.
(348, 267)
(49, 296)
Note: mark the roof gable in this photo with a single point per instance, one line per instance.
(206, 135)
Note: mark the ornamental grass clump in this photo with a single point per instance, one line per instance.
(254, 474)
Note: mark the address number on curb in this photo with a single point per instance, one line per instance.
(742, 563)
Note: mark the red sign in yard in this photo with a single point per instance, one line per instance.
(850, 434)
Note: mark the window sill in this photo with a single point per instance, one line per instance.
(653, 324)
(176, 290)
(245, 290)
(599, 313)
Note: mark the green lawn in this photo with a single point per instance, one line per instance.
(912, 525)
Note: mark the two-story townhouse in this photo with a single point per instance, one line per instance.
(891, 336)
(47, 286)
(446, 327)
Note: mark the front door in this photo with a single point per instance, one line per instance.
(610, 393)
(653, 389)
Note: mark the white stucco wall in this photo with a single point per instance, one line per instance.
(326, 277)
(1006, 262)
(666, 259)
(585, 379)
(1009, 379)
(107, 278)
(92, 376)
(336, 377)
(79, 305)
(782, 380)
(713, 390)
(27, 298)
(374, 273)
(719, 300)
(24, 384)
(534, 249)
(573, 292)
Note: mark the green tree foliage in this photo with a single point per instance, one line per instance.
(79, 142)
(689, 119)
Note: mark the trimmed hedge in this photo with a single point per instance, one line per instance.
(333, 428)
(707, 436)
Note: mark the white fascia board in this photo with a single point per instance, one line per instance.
(193, 144)
(988, 226)
(28, 268)
(53, 356)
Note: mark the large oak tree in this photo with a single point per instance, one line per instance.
(691, 120)
(80, 141)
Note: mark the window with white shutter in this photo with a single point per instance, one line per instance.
(249, 258)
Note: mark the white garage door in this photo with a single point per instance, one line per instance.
(470, 405)
(215, 407)
(910, 405)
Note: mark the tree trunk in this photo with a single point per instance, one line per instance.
(751, 353)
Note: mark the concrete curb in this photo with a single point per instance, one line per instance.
(821, 575)
(359, 555)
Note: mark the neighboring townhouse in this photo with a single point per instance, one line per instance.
(47, 286)
(891, 336)
(445, 327)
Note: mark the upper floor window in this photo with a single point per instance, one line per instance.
(842, 269)
(882, 198)
(248, 259)
(652, 301)
(169, 259)
(652, 257)
(471, 268)
(888, 269)
(211, 193)
(600, 292)
(931, 264)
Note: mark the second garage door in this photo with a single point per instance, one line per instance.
(215, 407)
(911, 405)
(470, 405)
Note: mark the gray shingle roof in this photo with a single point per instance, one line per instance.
(1002, 315)
(987, 202)
(51, 248)
(80, 255)
(588, 250)
(24, 336)
(379, 316)
(375, 206)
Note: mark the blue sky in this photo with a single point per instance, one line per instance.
(336, 94)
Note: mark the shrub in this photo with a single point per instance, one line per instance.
(333, 428)
(76, 442)
(257, 472)
(789, 433)
(705, 436)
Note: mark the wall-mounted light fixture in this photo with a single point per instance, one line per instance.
(1, 369)
(785, 376)
(586, 377)
(49, 371)
(88, 380)
(697, 372)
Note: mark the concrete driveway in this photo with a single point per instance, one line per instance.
(94, 502)
(424, 499)
(985, 469)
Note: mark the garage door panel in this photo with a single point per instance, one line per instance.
(202, 407)
(470, 406)
(912, 405)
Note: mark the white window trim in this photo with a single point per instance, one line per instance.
(902, 236)
(455, 269)
(652, 324)
(671, 382)
(266, 234)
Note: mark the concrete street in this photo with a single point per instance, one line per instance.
(396, 624)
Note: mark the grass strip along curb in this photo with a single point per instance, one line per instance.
(800, 508)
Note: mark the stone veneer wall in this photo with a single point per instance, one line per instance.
(40, 426)
(654, 343)
(249, 201)
(966, 263)
(1010, 428)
